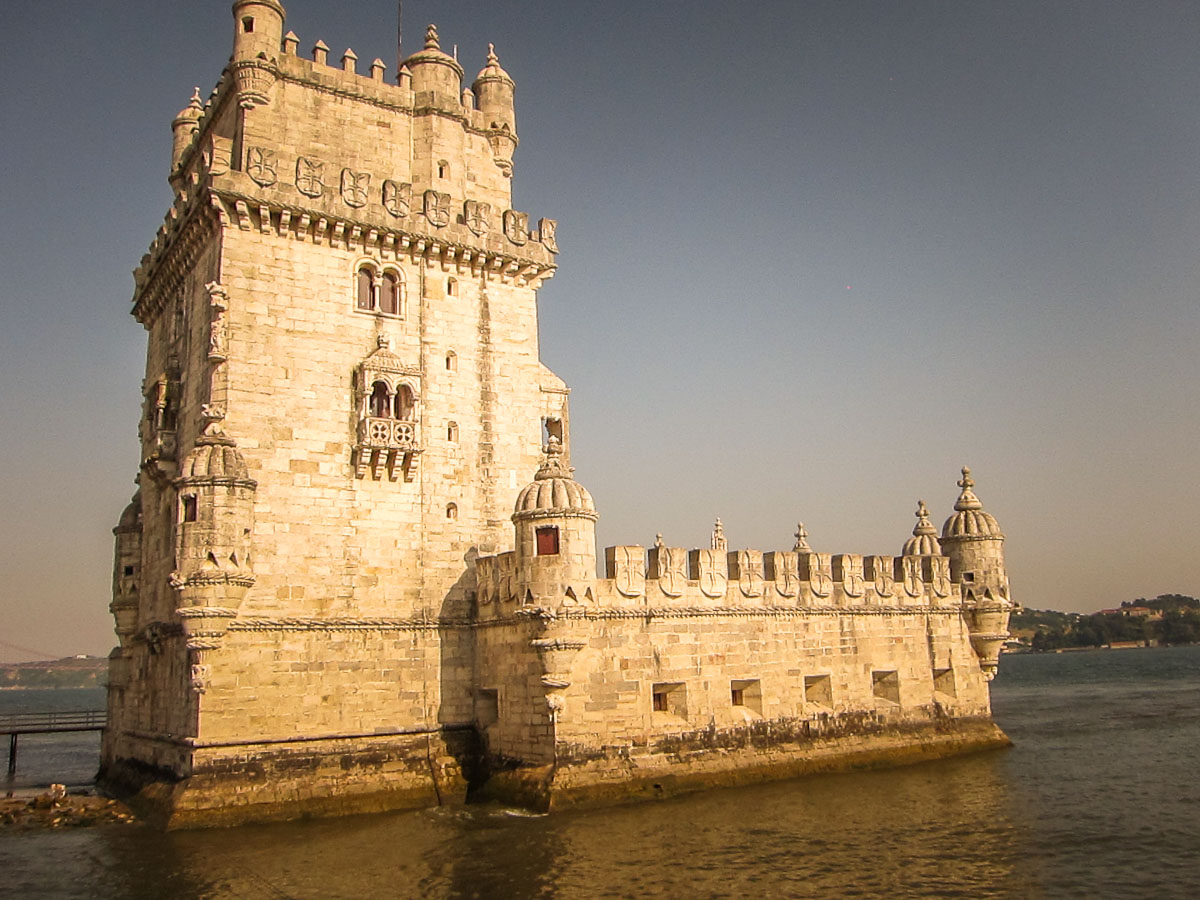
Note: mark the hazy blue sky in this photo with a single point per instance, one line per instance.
(815, 257)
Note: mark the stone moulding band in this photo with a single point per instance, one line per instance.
(528, 614)
(196, 743)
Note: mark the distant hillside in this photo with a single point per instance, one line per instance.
(71, 672)
(1167, 619)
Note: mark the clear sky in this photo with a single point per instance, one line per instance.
(816, 256)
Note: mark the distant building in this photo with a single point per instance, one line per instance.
(359, 573)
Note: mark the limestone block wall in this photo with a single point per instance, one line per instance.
(511, 713)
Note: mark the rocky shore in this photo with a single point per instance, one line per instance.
(59, 809)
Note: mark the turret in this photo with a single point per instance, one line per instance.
(127, 566)
(924, 540)
(493, 90)
(212, 535)
(183, 129)
(436, 74)
(555, 523)
(257, 38)
(973, 541)
(257, 29)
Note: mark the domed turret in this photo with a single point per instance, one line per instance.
(555, 521)
(494, 90)
(127, 569)
(213, 533)
(972, 539)
(436, 72)
(257, 38)
(183, 128)
(924, 540)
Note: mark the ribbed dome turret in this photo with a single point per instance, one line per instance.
(215, 456)
(192, 112)
(969, 519)
(131, 518)
(924, 540)
(492, 71)
(433, 70)
(553, 491)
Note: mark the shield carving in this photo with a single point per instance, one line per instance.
(354, 187)
(260, 165)
(548, 234)
(750, 579)
(397, 197)
(478, 216)
(629, 573)
(437, 208)
(941, 575)
(670, 569)
(710, 573)
(912, 576)
(516, 226)
(852, 577)
(787, 573)
(820, 574)
(885, 577)
(310, 175)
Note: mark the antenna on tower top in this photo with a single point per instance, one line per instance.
(399, 34)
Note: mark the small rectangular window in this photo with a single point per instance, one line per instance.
(669, 697)
(547, 540)
(747, 694)
(943, 682)
(818, 690)
(189, 508)
(886, 686)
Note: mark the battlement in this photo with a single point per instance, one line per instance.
(678, 578)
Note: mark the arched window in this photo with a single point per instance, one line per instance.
(366, 288)
(452, 432)
(451, 287)
(451, 361)
(405, 405)
(380, 401)
(391, 294)
(451, 510)
(443, 168)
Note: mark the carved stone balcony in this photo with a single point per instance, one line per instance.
(386, 446)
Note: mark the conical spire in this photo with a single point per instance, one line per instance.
(801, 545)
(967, 499)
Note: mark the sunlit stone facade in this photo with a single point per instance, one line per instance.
(358, 572)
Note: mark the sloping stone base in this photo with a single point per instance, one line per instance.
(259, 783)
(733, 757)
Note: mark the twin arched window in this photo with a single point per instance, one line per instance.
(380, 293)
(384, 404)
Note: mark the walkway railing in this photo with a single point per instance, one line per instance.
(14, 724)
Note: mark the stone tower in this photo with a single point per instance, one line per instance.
(342, 399)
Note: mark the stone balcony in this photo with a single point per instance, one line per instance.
(386, 447)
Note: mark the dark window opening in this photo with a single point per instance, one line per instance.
(746, 693)
(366, 288)
(818, 690)
(405, 404)
(886, 686)
(660, 701)
(129, 570)
(738, 696)
(189, 508)
(380, 401)
(451, 361)
(248, 25)
(391, 294)
(669, 698)
(443, 169)
(547, 540)
(968, 576)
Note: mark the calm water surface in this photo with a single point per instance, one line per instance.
(1100, 797)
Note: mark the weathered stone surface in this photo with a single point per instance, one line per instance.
(359, 573)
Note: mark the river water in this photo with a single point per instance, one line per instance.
(1099, 797)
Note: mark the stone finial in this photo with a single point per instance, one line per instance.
(967, 499)
(718, 536)
(492, 59)
(431, 38)
(801, 545)
(349, 61)
(320, 53)
(924, 541)
(377, 69)
(290, 43)
(196, 103)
